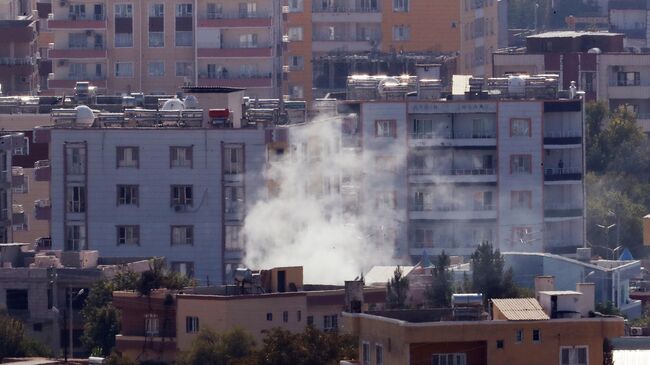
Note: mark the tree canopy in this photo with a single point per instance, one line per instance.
(14, 342)
(438, 295)
(488, 275)
(397, 290)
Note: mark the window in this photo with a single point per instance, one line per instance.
(365, 353)
(77, 40)
(296, 62)
(628, 79)
(297, 92)
(75, 238)
(310, 320)
(17, 299)
(37, 327)
(449, 359)
(123, 40)
(128, 157)
(183, 39)
(215, 11)
(123, 69)
(385, 128)
(123, 10)
(233, 160)
(184, 268)
(521, 199)
(76, 199)
(184, 10)
(234, 238)
(77, 70)
(379, 355)
(127, 195)
(247, 10)
(128, 235)
(295, 33)
(183, 69)
(180, 157)
(182, 235)
(423, 237)
(537, 337)
(520, 128)
(519, 336)
(77, 11)
(577, 355)
(157, 68)
(156, 10)
(588, 81)
(401, 32)
(269, 316)
(156, 39)
(299, 316)
(191, 324)
(295, 6)
(285, 316)
(234, 199)
(151, 324)
(400, 5)
(520, 164)
(499, 344)
(182, 195)
(75, 160)
(330, 322)
(248, 40)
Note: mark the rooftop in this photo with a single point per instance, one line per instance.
(520, 309)
(574, 34)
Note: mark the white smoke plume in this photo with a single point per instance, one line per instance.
(333, 211)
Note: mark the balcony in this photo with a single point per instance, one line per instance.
(562, 211)
(246, 81)
(42, 209)
(258, 19)
(18, 177)
(42, 170)
(346, 14)
(18, 214)
(347, 42)
(450, 248)
(562, 138)
(471, 175)
(565, 174)
(453, 212)
(430, 139)
(235, 50)
(234, 254)
(77, 53)
(91, 21)
(629, 92)
(234, 212)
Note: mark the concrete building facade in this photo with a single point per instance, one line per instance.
(18, 61)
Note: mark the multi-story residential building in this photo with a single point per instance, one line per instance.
(330, 40)
(11, 214)
(18, 64)
(143, 182)
(485, 166)
(631, 19)
(121, 46)
(43, 40)
(158, 329)
(596, 61)
(519, 331)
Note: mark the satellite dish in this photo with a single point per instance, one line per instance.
(84, 116)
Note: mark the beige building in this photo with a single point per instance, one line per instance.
(159, 46)
(18, 70)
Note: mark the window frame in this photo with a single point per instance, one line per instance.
(189, 238)
(124, 241)
(179, 195)
(391, 128)
(514, 200)
(76, 206)
(237, 167)
(191, 324)
(514, 170)
(134, 195)
(174, 156)
(538, 332)
(513, 129)
(120, 153)
(124, 76)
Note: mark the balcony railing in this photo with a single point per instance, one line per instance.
(344, 9)
(420, 207)
(563, 137)
(559, 210)
(562, 174)
(443, 135)
(82, 16)
(221, 76)
(9, 61)
(238, 15)
(447, 172)
(344, 38)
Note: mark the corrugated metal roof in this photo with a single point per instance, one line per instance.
(520, 309)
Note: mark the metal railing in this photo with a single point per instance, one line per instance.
(345, 9)
(344, 38)
(447, 172)
(228, 76)
(41, 164)
(17, 61)
(238, 14)
(418, 206)
(562, 171)
(239, 45)
(562, 134)
(458, 135)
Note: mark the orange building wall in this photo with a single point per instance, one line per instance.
(300, 48)
(434, 26)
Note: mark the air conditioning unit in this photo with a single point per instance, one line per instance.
(179, 208)
(636, 331)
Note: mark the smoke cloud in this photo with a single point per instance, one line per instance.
(333, 210)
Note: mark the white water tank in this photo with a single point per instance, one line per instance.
(85, 116)
(517, 85)
(191, 102)
(173, 104)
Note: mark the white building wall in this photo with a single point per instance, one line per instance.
(532, 219)
(154, 177)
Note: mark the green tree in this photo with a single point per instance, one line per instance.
(397, 290)
(438, 295)
(210, 347)
(14, 342)
(488, 275)
(101, 319)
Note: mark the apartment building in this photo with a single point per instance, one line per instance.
(330, 40)
(18, 62)
(268, 299)
(631, 19)
(597, 62)
(145, 182)
(158, 47)
(499, 168)
(520, 331)
(11, 178)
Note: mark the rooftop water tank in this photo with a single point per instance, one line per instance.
(173, 104)
(191, 102)
(85, 116)
(517, 85)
